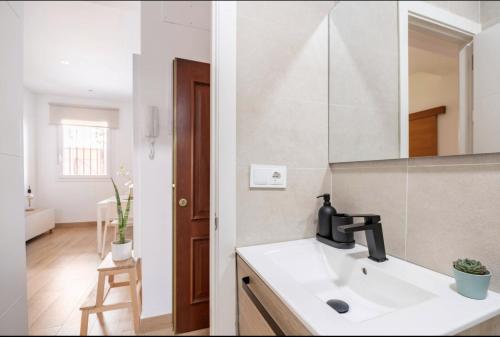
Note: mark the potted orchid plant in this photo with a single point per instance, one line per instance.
(121, 249)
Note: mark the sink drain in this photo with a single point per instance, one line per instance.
(339, 306)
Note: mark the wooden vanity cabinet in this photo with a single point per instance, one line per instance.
(260, 311)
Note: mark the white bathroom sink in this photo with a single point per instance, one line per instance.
(392, 297)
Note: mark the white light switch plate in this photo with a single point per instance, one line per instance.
(267, 176)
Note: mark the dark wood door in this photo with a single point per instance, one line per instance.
(191, 194)
(423, 129)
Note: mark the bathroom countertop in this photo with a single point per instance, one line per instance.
(300, 272)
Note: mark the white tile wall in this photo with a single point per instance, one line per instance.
(282, 102)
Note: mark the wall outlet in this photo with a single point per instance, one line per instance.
(267, 176)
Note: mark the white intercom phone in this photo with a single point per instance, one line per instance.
(153, 129)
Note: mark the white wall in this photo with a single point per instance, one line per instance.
(13, 314)
(162, 41)
(75, 201)
(29, 143)
(429, 91)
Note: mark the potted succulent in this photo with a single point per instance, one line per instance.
(472, 278)
(122, 248)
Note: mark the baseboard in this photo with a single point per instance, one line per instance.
(156, 323)
(76, 224)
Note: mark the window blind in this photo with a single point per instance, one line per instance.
(61, 114)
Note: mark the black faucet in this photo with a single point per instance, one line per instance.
(374, 235)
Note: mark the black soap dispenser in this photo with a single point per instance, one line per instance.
(325, 214)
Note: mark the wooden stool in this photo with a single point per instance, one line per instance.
(95, 300)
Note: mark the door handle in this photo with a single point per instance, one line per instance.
(183, 202)
(245, 281)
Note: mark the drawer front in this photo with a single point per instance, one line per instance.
(251, 321)
(287, 323)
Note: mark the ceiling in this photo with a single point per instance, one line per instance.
(81, 48)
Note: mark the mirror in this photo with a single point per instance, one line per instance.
(454, 98)
(451, 96)
(363, 98)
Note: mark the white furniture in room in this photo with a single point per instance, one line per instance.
(106, 211)
(39, 221)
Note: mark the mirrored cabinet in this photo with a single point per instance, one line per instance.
(407, 79)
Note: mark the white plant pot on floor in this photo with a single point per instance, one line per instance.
(121, 252)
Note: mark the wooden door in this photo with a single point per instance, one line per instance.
(423, 130)
(191, 194)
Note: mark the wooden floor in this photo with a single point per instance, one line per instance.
(61, 271)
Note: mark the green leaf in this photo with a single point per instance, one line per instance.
(470, 266)
(120, 214)
(125, 217)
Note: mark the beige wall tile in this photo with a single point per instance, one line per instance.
(285, 132)
(364, 97)
(454, 212)
(282, 102)
(379, 190)
(284, 60)
(374, 26)
(279, 215)
(282, 87)
(376, 136)
(275, 61)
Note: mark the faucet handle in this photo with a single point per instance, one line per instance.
(369, 218)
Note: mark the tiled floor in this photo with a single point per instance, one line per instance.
(61, 271)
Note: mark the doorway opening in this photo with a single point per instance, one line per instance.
(78, 134)
(440, 90)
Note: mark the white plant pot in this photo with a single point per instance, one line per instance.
(121, 252)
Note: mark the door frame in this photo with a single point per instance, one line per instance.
(434, 15)
(223, 170)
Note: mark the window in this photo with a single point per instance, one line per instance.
(84, 133)
(84, 151)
